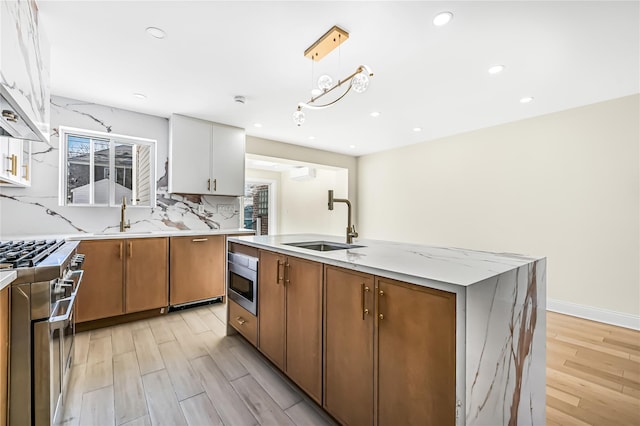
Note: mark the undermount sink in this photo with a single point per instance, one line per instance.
(323, 245)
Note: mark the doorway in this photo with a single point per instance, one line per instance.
(258, 207)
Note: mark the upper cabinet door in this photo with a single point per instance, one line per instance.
(205, 157)
(228, 160)
(24, 61)
(15, 158)
(189, 155)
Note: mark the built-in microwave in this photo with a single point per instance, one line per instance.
(243, 281)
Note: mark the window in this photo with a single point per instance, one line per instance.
(99, 169)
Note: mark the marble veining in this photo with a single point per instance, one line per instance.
(500, 317)
(506, 348)
(25, 64)
(35, 210)
(448, 265)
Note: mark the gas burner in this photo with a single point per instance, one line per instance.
(20, 254)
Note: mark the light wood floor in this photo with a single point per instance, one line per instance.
(593, 373)
(179, 369)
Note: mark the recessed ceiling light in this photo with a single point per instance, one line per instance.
(352, 146)
(140, 95)
(156, 32)
(526, 99)
(257, 125)
(311, 138)
(442, 18)
(417, 129)
(375, 114)
(495, 69)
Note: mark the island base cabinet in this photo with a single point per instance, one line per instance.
(271, 307)
(348, 345)
(290, 318)
(415, 384)
(244, 322)
(389, 351)
(304, 325)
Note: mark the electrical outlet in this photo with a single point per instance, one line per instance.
(201, 208)
(162, 310)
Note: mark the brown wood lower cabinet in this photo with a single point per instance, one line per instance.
(197, 268)
(348, 346)
(243, 321)
(122, 276)
(290, 318)
(416, 371)
(4, 353)
(389, 351)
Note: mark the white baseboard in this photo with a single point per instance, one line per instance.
(595, 314)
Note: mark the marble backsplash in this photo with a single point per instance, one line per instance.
(35, 210)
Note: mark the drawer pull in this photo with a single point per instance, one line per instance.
(199, 240)
(241, 321)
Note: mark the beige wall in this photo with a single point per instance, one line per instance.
(301, 206)
(304, 204)
(287, 151)
(564, 185)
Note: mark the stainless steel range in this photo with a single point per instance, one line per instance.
(42, 326)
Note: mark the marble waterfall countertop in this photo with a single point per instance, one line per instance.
(6, 278)
(407, 262)
(130, 234)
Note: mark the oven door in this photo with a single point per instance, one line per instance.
(62, 326)
(243, 287)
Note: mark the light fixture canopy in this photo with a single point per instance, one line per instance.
(325, 44)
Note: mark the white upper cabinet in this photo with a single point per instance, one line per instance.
(15, 162)
(24, 72)
(205, 157)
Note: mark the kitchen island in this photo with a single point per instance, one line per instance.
(499, 318)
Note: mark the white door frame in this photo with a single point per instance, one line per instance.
(273, 189)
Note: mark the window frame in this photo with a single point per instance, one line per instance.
(113, 139)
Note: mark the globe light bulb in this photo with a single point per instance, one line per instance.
(360, 82)
(325, 82)
(298, 118)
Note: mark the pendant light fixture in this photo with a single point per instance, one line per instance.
(358, 80)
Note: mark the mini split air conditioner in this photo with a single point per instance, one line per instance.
(302, 173)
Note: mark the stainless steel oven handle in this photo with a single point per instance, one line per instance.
(60, 321)
(78, 272)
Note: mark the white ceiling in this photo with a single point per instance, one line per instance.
(564, 54)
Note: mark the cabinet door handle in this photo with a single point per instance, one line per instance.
(208, 184)
(286, 273)
(120, 250)
(278, 276)
(215, 184)
(130, 249)
(26, 171)
(14, 164)
(241, 320)
(363, 289)
(380, 293)
(199, 240)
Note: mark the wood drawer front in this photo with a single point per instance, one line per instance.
(243, 321)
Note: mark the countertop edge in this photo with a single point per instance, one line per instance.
(381, 271)
(6, 278)
(132, 234)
